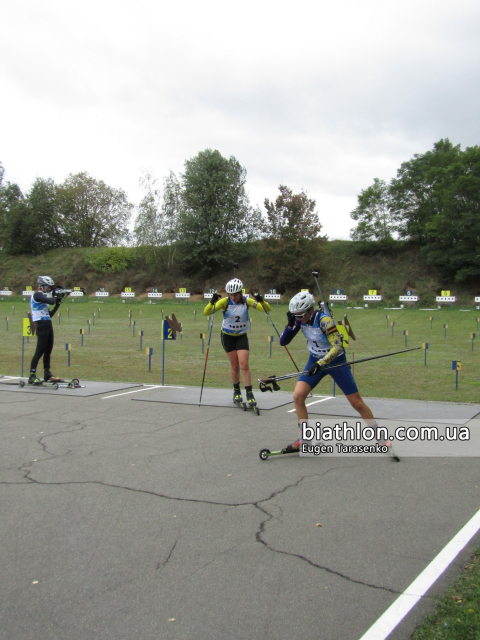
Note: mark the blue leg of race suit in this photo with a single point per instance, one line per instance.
(342, 376)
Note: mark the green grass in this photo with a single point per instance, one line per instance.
(111, 352)
(457, 614)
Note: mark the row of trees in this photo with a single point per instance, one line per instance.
(80, 212)
(202, 218)
(433, 203)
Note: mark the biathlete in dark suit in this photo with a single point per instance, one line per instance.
(325, 344)
(42, 317)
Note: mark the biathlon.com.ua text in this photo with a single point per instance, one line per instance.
(361, 439)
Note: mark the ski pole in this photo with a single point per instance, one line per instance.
(274, 379)
(206, 357)
(324, 303)
(285, 347)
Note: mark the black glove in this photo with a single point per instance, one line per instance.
(290, 319)
(215, 298)
(59, 299)
(258, 297)
(314, 369)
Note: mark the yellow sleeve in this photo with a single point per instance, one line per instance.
(220, 306)
(328, 327)
(259, 306)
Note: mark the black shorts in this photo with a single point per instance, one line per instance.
(234, 343)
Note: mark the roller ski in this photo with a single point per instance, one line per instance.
(251, 404)
(51, 382)
(291, 448)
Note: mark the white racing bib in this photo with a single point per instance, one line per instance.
(235, 319)
(39, 310)
(317, 341)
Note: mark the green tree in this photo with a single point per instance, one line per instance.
(92, 213)
(453, 245)
(416, 192)
(374, 214)
(292, 244)
(215, 213)
(156, 222)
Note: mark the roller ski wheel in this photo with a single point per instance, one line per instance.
(252, 405)
(266, 453)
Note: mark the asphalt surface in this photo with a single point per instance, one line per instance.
(148, 520)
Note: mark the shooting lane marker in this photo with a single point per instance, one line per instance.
(88, 322)
(270, 340)
(140, 333)
(445, 326)
(68, 348)
(425, 348)
(405, 333)
(13, 310)
(93, 318)
(388, 318)
(59, 316)
(169, 332)
(26, 333)
(392, 617)
(472, 338)
(456, 366)
(149, 352)
(392, 324)
(133, 332)
(82, 332)
(431, 322)
(202, 338)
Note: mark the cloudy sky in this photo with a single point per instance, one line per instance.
(321, 96)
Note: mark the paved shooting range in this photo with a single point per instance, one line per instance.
(153, 511)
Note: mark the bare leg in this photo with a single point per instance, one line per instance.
(235, 368)
(243, 363)
(364, 410)
(302, 389)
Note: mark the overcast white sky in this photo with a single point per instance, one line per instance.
(321, 96)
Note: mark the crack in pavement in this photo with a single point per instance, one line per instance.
(160, 565)
(257, 504)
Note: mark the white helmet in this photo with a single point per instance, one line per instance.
(301, 303)
(45, 281)
(234, 286)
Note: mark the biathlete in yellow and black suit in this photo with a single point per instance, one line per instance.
(234, 333)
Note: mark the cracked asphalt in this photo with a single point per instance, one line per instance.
(141, 520)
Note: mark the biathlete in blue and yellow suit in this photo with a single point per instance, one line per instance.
(234, 333)
(326, 347)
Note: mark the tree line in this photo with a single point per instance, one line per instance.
(433, 204)
(201, 218)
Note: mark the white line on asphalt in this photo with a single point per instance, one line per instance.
(384, 626)
(157, 386)
(315, 402)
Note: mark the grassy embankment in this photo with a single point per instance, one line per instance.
(342, 267)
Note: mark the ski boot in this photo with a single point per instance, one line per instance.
(291, 448)
(237, 397)
(33, 380)
(251, 403)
